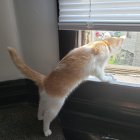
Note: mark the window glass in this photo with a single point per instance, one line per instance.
(125, 65)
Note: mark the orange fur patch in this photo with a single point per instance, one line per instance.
(30, 73)
(97, 46)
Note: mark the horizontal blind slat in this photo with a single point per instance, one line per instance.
(99, 11)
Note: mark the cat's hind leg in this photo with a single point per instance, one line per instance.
(49, 115)
(52, 109)
(41, 107)
(41, 110)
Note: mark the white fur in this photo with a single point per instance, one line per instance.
(97, 66)
(48, 109)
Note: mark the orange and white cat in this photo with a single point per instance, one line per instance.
(73, 69)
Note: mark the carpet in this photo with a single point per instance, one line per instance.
(19, 122)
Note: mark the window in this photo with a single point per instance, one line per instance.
(125, 66)
(96, 18)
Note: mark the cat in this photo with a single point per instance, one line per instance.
(72, 70)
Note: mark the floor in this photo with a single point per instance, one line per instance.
(19, 122)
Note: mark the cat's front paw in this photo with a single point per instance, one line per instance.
(48, 132)
(109, 78)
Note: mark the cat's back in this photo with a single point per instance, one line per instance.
(80, 54)
(71, 67)
(69, 73)
(71, 70)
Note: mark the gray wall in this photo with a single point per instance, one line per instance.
(33, 30)
(8, 37)
(37, 22)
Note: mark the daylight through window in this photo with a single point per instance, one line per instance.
(125, 66)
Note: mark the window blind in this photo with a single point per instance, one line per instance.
(99, 14)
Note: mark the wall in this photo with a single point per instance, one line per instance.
(37, 22)
(31, 27)
(8, 37)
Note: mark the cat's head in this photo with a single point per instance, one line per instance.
(115, 43)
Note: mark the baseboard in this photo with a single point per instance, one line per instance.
(20, 90)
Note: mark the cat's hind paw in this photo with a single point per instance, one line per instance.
(48, 132)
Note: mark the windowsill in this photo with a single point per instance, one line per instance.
(121, 80)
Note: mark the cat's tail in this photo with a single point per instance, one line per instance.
(37, 77)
